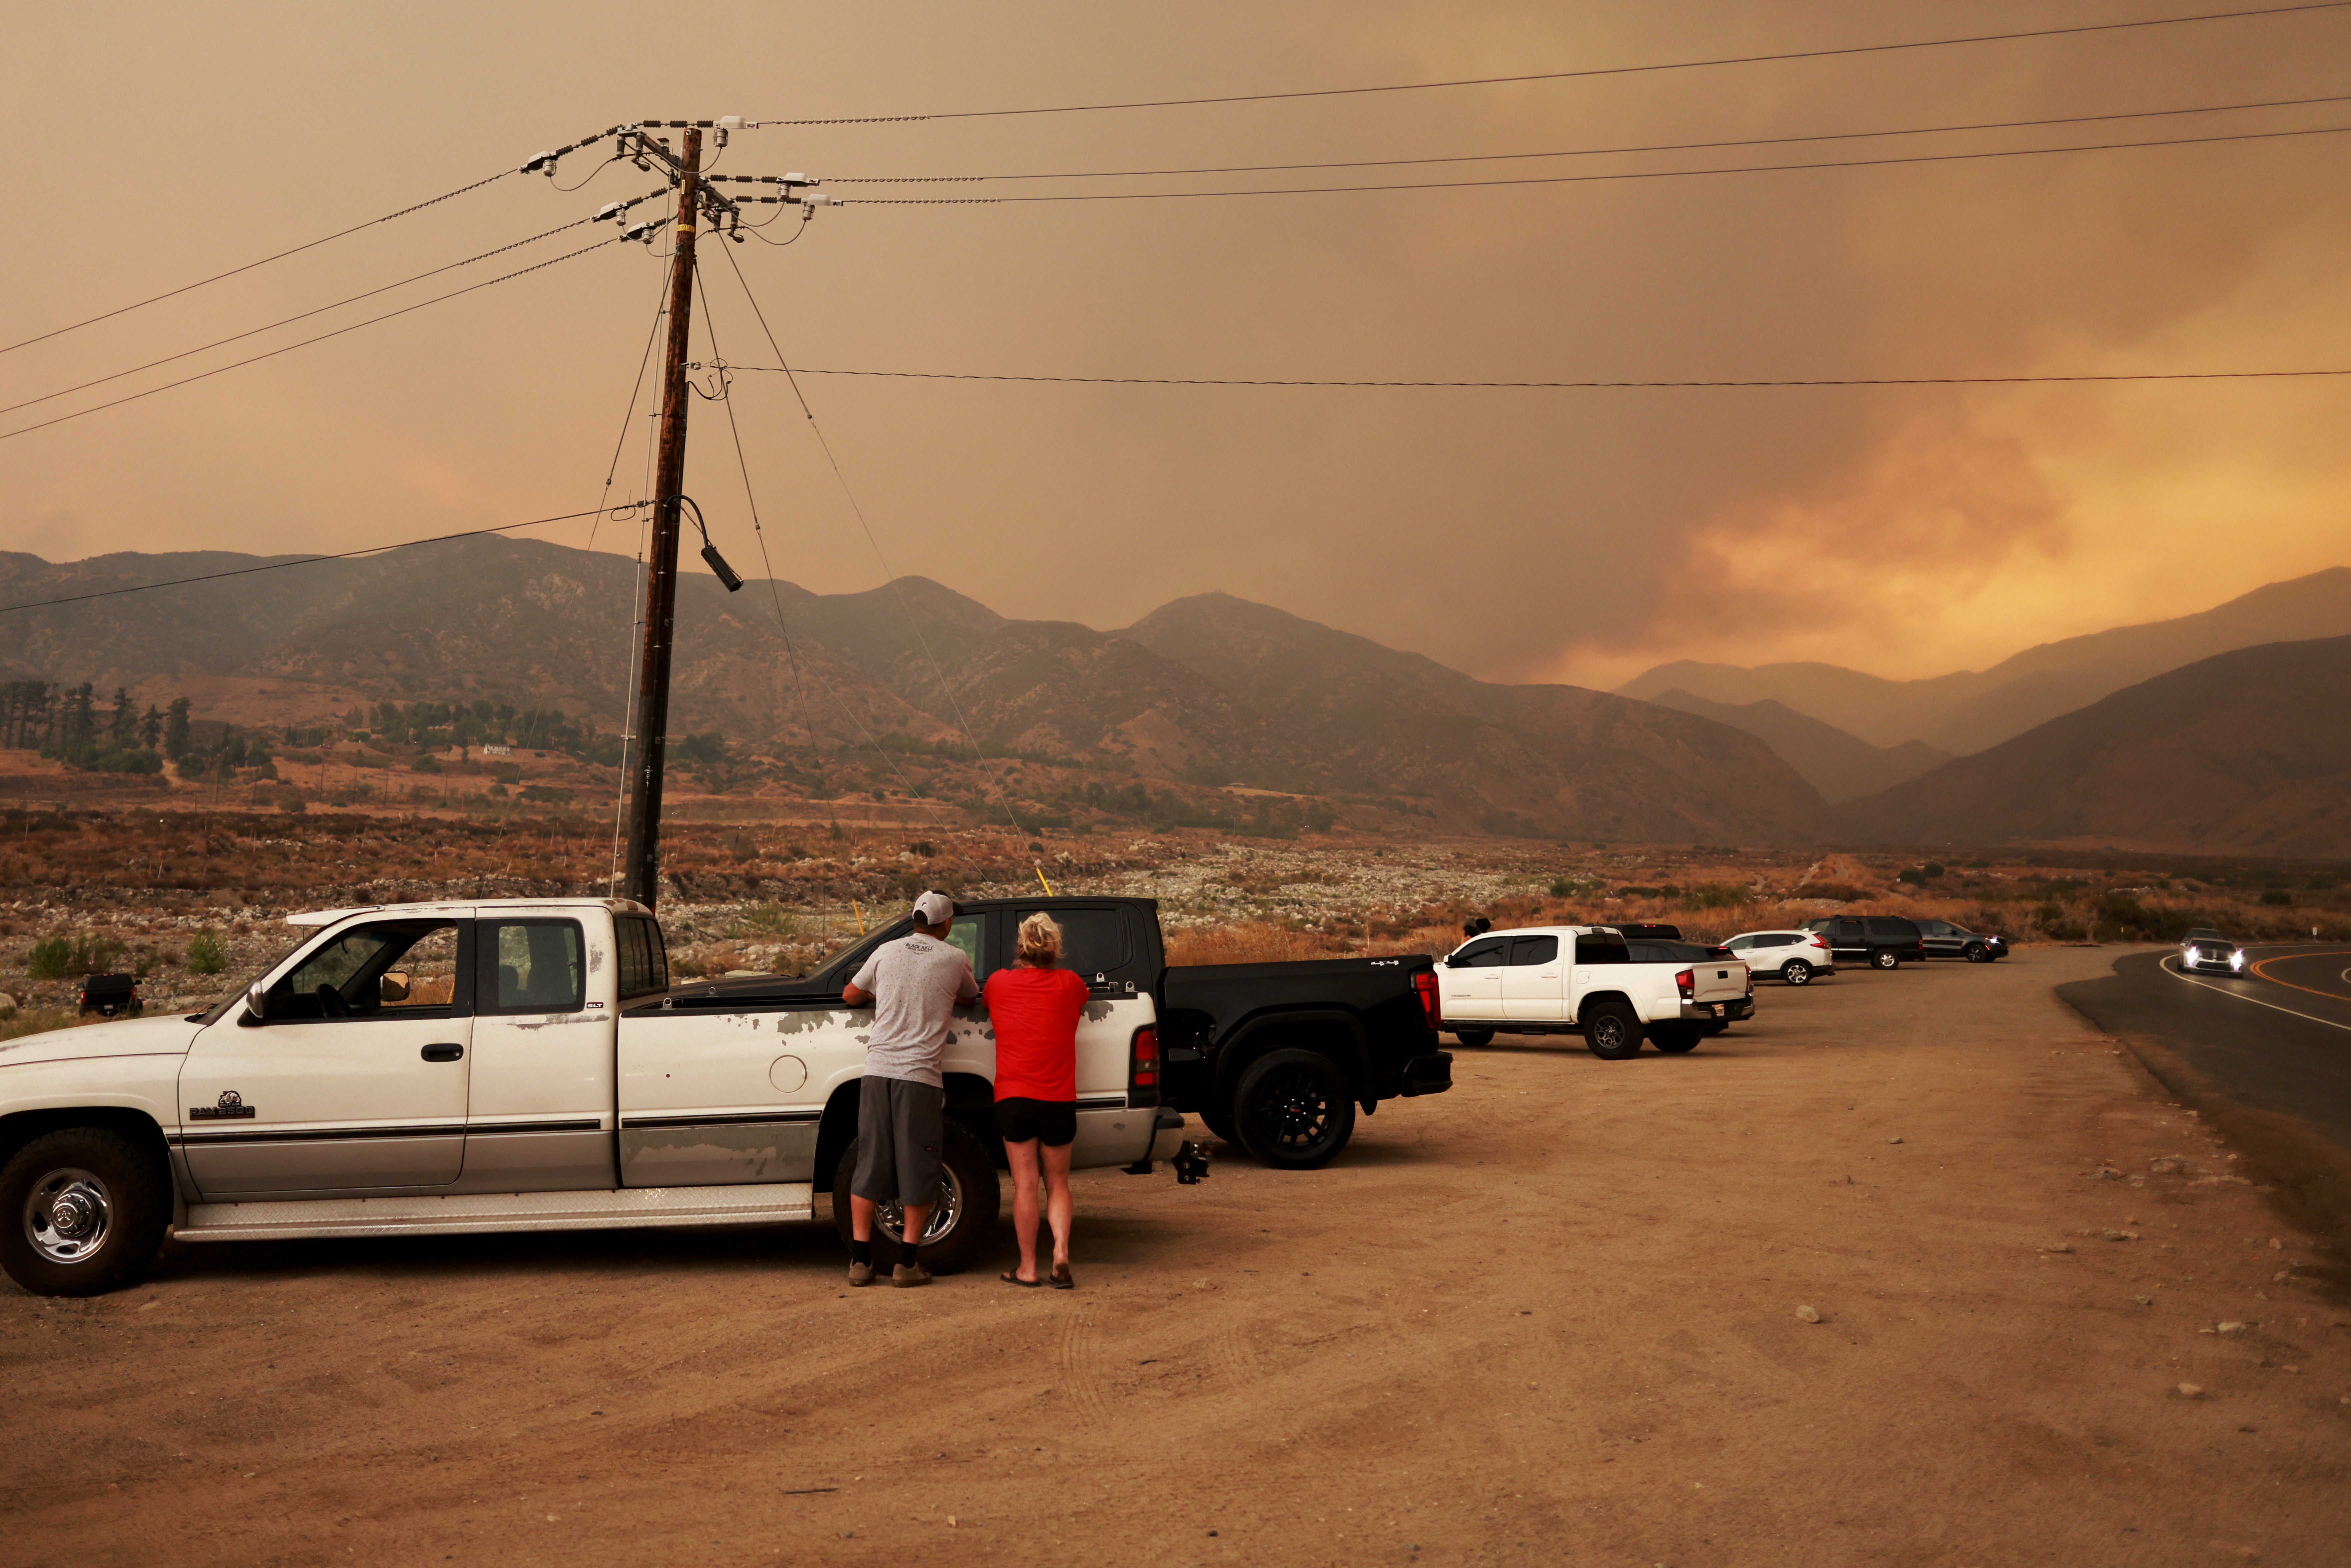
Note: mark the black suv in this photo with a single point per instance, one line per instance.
(1945, 940)
(1881, 941)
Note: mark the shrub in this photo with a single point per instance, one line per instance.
(49, 958)
(2276, 896)
(924, 848)
(292, 804)
(424, 762)
(204, 956)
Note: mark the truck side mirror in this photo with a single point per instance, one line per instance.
(256, 1005)
(393, 987)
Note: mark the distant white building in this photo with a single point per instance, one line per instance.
(497, 751)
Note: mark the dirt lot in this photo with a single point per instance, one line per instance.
(1553, 1316)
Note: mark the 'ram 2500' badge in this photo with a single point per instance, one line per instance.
(232, 1107)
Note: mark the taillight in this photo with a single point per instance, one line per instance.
(1819, 940)
(1688, 983)
(1143, 1067)
(1424, 985)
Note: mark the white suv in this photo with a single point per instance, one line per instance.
(1794, 956)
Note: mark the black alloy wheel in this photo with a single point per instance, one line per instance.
(1886, 958)
(82, 1211)
(1978, 953)
(962, 1222)
(1612, 1032)
(1796, 972)
(1473, 1038)
(1294, 1110)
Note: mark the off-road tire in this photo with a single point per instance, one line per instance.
(968, 1171)
(1294, 1110)
(1612, 1031)
(1474, 1038)
(102, 1173)
(1796, 972)
(1675, 1039)
(1885, 958)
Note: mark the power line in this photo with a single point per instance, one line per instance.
(1578, 179)
(290, 321)
(1563, 386)
(289, 348)
(282, 565)
(962, 722)
(1576, 75)
(1578, 151)
(249, 265)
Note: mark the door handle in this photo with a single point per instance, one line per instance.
(443, 1053)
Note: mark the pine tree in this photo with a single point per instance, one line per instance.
(151, 728)
(123, 728)
(175, 730)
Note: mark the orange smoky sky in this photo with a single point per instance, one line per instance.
(1560, 535)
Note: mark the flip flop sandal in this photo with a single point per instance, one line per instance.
(1011, 1279)
(1061, 1281)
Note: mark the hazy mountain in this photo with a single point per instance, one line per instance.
(1841, 767)
(1210, 689)
(1967, 711)
(2246, 753)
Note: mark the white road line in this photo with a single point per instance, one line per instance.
(2165, 965)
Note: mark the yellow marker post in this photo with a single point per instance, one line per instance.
(1043, 883)
(860, 917)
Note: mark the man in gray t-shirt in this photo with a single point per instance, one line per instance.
(914, 984)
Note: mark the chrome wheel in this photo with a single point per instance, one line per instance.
(890, 1217)
(1796, 972)
(67, 1215)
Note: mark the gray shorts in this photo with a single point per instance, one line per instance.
(901, 1127)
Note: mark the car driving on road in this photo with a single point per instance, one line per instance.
(1795, 958)
(2212, 953)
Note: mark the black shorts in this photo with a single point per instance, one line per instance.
(1053, 1122)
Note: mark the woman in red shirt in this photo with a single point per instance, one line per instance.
(1035, 1007)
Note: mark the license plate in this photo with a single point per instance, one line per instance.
(1718, 1009)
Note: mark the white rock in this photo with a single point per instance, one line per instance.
(1807, 1315)
(2189, 1391)
(2234, 1328)
(1893, 1140)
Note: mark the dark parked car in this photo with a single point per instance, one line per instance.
(2211, 952)
(1945, 940)
(111, 996)
(1880, 941)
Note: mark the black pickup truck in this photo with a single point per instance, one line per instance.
(1273, 1057)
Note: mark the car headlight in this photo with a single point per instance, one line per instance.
(2237, 959)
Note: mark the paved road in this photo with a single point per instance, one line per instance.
(2277, 1039)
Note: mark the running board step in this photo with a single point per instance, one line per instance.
(765, 1203)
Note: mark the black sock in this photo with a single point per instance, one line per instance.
(911, 1257)
(861, 1252)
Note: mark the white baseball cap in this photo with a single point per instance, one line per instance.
(934, 908)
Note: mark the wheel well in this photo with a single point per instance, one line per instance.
(23, 1126)
(971, 1101)
(1597, 999)
(1328, 1037)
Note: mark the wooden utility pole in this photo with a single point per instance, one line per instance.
(641, 862)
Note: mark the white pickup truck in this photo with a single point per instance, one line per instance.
(1583, 979)
(494, 1066)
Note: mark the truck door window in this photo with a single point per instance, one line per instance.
(1528, 951)
(1489, 953)
(1602, 948)
(969, 933)
(392, 969)
(529, 967)
(644, 962)
(1094, 941)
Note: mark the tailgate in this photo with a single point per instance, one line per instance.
(1718, 980)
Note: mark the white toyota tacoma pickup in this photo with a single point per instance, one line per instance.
(493, 1066)
(1583, 979)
